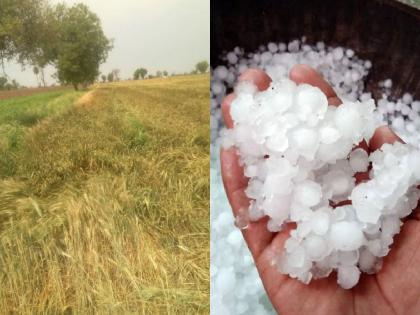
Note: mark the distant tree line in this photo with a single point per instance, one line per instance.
(38, 34)
(143, 73)
(5, 85)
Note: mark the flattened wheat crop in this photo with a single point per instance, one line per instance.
(104, 200)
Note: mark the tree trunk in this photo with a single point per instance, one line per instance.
(37, 80)
(43, 77)
(3, 66)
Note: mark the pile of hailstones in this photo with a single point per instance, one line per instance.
(299, 156)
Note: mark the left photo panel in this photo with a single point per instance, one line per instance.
(104, 157)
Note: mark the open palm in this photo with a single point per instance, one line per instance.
(394, 290)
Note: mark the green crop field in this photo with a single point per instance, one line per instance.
(104, 199)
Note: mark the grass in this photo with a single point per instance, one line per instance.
(104, 201)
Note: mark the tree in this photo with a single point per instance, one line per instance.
(103, 77)
(3, 82)
(36, 40)
(158, 74)
(39, 34)
(6, 85)
(202, 66)
(110, 77)
(16, 17)
(36, 72)
(165, 73)
(143, 72)
(116, 74)
(15, 84)
(82, 46)
(45, 42)
(28, 32)
(140, 73)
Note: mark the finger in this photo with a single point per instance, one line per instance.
(256, 76)
(267, 263)
(256, 234)
(232, 172)
(382, 135)
(226, 110)
(305, 74)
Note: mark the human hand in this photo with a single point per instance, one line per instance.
(395, 289)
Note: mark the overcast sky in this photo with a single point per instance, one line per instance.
(170, 35)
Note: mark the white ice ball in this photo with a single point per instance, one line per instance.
(316, 247)
(348, 120)
(367, 203)
(346, 235)
(359, 160)
(348, 276)
(310, 101)
(320, 222)
(308, 193)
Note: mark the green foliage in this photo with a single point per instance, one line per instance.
(135, 136)
(19, 110)
(6, 85)
(143, 72)
(202, 66)
(69, 38)
(82, 46)
(140, 73)
(17, 114)
(27, 31)
(103, 77)
(110, 77)
(3, 82)
(12, 18)
(11, 137)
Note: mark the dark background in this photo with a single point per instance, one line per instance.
(383, 31)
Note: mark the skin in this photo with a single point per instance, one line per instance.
(394, 290)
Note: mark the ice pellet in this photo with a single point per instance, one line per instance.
(226, 251)
(359, 160)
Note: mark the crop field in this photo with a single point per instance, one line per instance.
(30, 91)
(104, 199)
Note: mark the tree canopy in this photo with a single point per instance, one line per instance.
(140, 73)
(202, 66)
(39, 34)
(82, 46)
(6, 85)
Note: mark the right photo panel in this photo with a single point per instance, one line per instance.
(315, 157)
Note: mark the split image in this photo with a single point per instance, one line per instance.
(209, 157)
